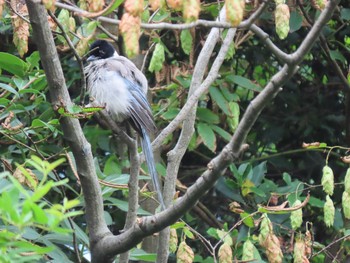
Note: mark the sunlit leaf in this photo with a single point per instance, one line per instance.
(157, 59)
(207, 135)
(186, 41)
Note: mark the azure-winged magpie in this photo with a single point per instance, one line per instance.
(115, 82)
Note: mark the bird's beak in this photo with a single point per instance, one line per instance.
(91, 58)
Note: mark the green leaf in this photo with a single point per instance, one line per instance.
(225, 236)
(220, 100)
(316, 202)
(296, 21)
(140, 255)
(41, 191)
(244, 83)
(114, 6)
(55, 164)
(247, 187)
(13, 64)
(112, 166)
(224, 134)
(207, 135)
(188, 233)
(247, 220)
(34, 59)
(286, 177)
(336, 55)
(258, 192)
(258, 173)
(345, 13)
(233, 118)
(204, 114)
(230, 52)
(171, 113)
(157, 59)
(9, 89)
(186, 41)
(178, 225)
(39, 214)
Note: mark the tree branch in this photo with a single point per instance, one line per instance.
(72, 131)
(154, 26)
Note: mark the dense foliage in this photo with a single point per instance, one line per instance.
(245, 216)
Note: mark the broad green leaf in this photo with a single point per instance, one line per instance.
(345, 13)
(64, 19)
(123, 205)
(336, 55)
(244, 83)
(112, 166)
(286, 177)
(34, 59)
(258, 174)
(224, 134)
(9, 89)
(204, 114)
(39, 214)
(207, 135)
(233, 118)
(247, 220)
(258, 191)
(140, 255)
(220, 100)
(13, 64)
(171, 113)
(20, 83)
(157, 59)
(316, 202)
(247, 187)
(29, 91)
(213, 232)
(225, 236)
(178, 225)
(296, 21)
(193, 142)
(188, 233)
(69, 204)
(186, 41)
(4, 102)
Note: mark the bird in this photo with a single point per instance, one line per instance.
(113, 81)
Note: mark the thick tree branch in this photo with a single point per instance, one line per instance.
(72, 131)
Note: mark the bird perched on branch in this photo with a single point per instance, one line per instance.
(115, 82)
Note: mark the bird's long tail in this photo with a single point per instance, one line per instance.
(147, 150)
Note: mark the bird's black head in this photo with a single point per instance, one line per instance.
(100, 49)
